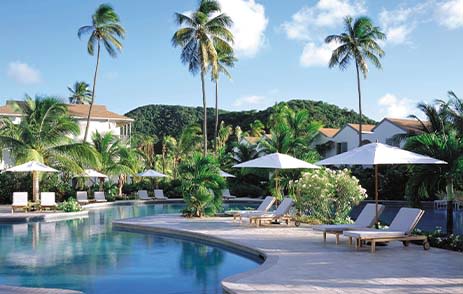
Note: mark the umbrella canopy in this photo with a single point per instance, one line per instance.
(378, 154)
(151, 174)
(276, 161)
(34, 167)
(91, 173)
(226, 175)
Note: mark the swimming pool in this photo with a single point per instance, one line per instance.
(87, 255)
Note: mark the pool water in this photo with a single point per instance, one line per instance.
(86, 255)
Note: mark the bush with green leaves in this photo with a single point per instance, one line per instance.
(70, 205)
(201, 185)
(328, 195)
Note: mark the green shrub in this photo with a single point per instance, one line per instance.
(70, 205)
(327, 195)
(14, 182)
(440, 239)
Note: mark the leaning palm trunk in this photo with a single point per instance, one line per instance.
(450, 197)
(216, 114)
(93, 93)
(205, 114)
(360, 104)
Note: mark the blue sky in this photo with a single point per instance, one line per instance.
(279, 45)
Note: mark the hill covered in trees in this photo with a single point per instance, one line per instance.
(162, 120)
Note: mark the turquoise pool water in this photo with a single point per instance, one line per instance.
(87, 255)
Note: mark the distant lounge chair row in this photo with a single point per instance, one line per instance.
(20, 201)
(400, 229)
(158, 194)
(82, 197)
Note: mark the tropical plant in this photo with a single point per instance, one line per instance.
(199, 35)
(201, 185)
(328, 195)
(146, 146)
(225, 59)
(358, 43)
(107, 30)
(444, 146)
(80, 93)
(44, 134)
(257, 128)
(70, 205)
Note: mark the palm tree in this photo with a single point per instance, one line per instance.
(225, 59)
(199, 34)
(257, 128)
(105, 29)
(80, 93)
(44, 135)
(358, 43)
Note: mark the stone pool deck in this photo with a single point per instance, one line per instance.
(297, 261)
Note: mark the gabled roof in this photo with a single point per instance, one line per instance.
(408, 125)
(365, 127)
(328, 132)
(99, 112)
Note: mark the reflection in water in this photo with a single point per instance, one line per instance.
(86, 255)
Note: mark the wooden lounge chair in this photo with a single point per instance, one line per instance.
(400, 230)
(264, 206)
(280, 214)
(19, 201)
(100, 197)
(366, 219)
(143, 195)
(47, 201)
(82, 197)
(159, 194)
(226, 194)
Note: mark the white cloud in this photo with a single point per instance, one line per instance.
(393, 106)
(252, 101)
(314, 55)
(450, 14)
(249, 24)
(308, 22)
(23, 73)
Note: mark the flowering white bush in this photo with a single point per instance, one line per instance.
(328, 195)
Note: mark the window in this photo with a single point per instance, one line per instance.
(392, 142)
(341, 147)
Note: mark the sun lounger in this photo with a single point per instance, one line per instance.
(100, 197)
(82, 197)
(280, 214)
(159, 194)
(226, 194)
(366, 219)
(47, 201)
(19, 201)
(400, 230)
(143, 195)
(264, 206)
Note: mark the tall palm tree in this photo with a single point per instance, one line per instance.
(107, 30)
(225, 59)
(199, 34)
(358, 43)
(80, 93)
(43, 135)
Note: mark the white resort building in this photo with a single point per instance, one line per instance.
(101, 120)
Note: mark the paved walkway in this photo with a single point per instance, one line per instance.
(298, 261)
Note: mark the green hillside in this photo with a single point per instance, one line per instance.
(164, 120)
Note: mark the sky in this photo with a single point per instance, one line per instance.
(279, 44)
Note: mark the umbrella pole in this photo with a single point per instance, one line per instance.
(376, 195)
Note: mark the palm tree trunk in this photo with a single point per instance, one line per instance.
(450, 197)
(205, 114)
(35, 186)
(360, 103)
(93, 93)
(216, 114)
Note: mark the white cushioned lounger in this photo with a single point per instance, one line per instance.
(281, 213)
(82, 197)
(159, 194)
(264, 206)
(47, 200)
(19, 201)
(143, 195)
(100, 197)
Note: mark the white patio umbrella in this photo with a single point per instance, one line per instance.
(226, 175)
(277, 161)
(378, 154)
(35, 167)
(151, 174)
(91, 173)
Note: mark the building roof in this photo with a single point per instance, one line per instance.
(255, 140)
(328, 132)
(99, 112)
(365, 127)
(409, 125)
